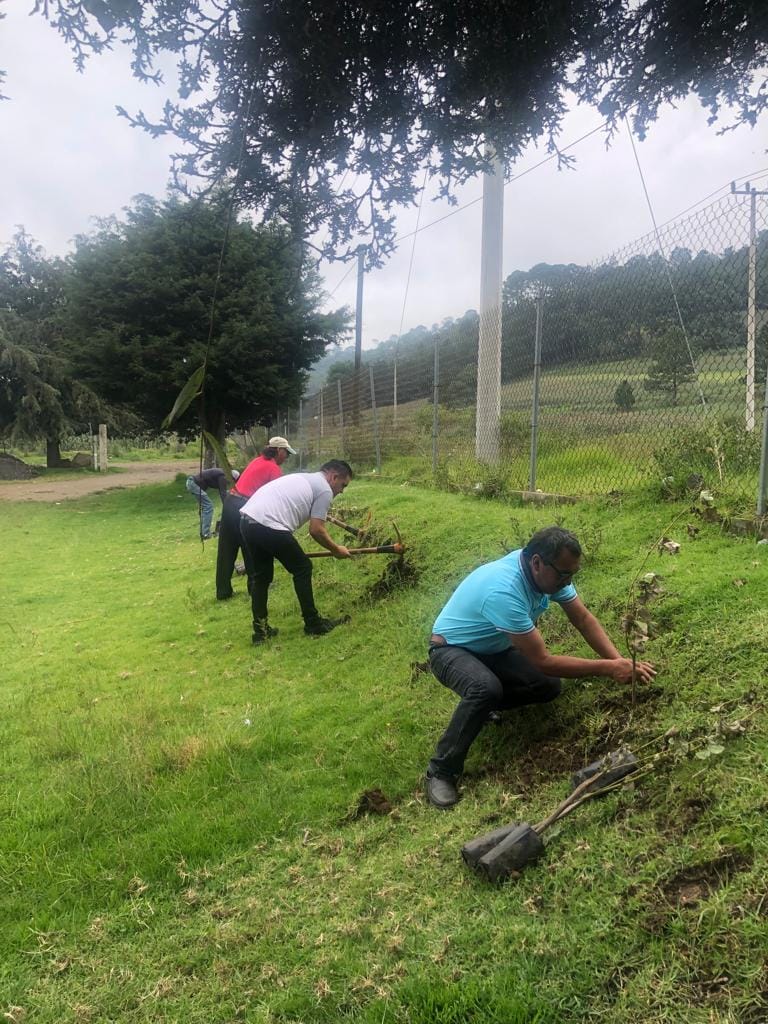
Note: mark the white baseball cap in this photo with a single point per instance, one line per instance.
(280, 442)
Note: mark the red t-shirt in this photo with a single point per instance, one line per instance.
(257, 473)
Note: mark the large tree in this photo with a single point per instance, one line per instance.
(139, 314)
(295, 93)
(39, 397)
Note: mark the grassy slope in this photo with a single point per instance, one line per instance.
(176, 840)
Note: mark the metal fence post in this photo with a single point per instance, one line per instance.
(535, 407)
(435, 406)
(763, 478)
(375, 422)
(341, 418)
(301, 433)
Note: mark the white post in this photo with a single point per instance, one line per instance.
(489, 345)
(102, 447)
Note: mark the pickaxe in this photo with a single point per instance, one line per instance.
(345, 526)
(382, 549)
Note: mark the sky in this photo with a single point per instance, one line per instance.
(68, 158)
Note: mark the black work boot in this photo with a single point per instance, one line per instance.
(263, 633)
(441, 792)
(321, 626)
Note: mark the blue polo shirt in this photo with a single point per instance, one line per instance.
(494, 600)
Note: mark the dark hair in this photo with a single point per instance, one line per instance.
(549, 542)
(337, 466)
(269, 452)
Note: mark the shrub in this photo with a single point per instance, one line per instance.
(624, 396)
(713, 451)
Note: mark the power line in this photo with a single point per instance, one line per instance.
(666, 265)
(515, 177)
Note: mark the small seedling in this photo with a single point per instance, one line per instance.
(637, 625)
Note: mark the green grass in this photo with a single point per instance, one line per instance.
(178, 837)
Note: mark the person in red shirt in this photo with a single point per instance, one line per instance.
(258, 472)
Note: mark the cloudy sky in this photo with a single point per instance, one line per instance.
(67, 158)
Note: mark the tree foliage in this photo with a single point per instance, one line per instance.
(139, 303)
(613, 311)
(304, 91)
(672, 364)
(624, 396)
(39, 398)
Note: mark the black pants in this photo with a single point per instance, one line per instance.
(485, 682)
(229, 545)
(264, 545)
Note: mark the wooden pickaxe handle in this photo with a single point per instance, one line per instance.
(345, 526)
(382, 549)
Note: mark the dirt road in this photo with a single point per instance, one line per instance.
(131, 474)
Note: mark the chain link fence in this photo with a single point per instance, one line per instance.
(647, 366)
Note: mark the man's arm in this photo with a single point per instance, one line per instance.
(532, 646)
(589, 627)
(318, 532)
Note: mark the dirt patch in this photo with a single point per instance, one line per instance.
(695, 884)
(131, 474)
(685, 817)
(398, 575)
(372, 801)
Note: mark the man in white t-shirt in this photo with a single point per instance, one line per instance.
(267, 522)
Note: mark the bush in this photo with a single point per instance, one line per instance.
(714, 451)
(624, 396)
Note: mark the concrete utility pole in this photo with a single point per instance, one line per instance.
(489, 346)
(358, 333)
(359, 307)
(753, 193)
(102, 447)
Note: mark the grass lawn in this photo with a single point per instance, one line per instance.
(182, 838)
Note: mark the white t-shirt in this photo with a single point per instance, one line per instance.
(290, 501)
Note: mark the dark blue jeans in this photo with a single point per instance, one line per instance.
(485, 683)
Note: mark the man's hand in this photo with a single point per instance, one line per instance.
(341, 552)
(621, 671)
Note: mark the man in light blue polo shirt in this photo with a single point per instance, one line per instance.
(485, 646)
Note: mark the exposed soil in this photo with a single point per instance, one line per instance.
(132, 474)
(397, 575)
(693, 885)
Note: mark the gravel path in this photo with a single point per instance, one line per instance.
(132, 474)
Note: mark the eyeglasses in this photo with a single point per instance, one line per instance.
(562, 574)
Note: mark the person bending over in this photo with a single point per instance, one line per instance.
(268, 521)
(198, 485)
(259, 471)
(485, 646)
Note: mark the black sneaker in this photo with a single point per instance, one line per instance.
(441, 792)
(320, 626)
(260, 636)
